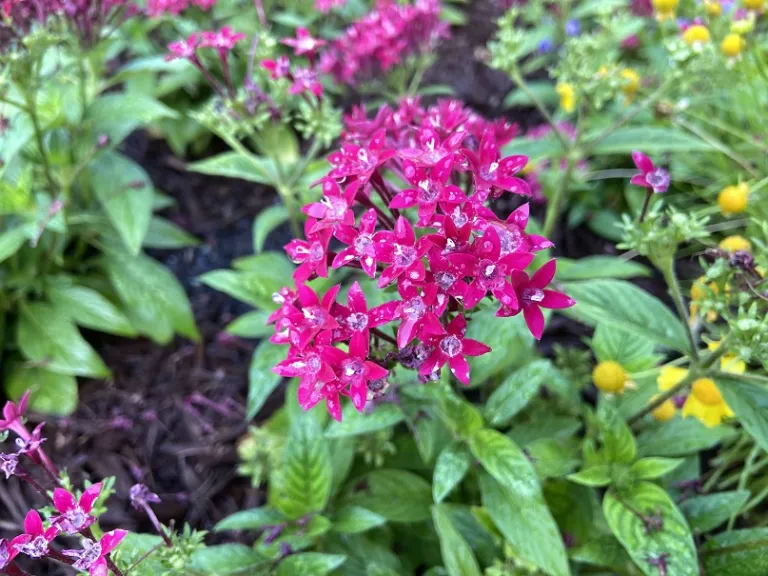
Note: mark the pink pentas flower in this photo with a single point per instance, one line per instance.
(309, 396)
(311, 254)
(13, 414)
(307, 365)
(304, 43)
(335, 208)
(360, 162)
(279, 68)
(653, 177)
(359, 127)
(223, 40)
(357, 319)
(186, 49)
(354, 370)
(360, 244)
(446, 275)
(9, 550)
(75, 515)
(314, 317)
(451, 347)
(415, 312)
(429, 188)
(511, 231)
(92, 558)
(429, 148)
(29, 444)
(8, 464)
(533, 295)
(36, 539)
(403, 251)
(305, 79)
(491, 172)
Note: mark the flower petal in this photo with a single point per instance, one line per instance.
(383, 314)
(534, 318)
(460, 368)
(642, 161)
(33, 524)
(471, 347)
(556, 300)
(544, 275)
(404, 233)
(356, 298)
(333, 405)
(358, 392)
(405, 199)
(639, 180)
(111, 540)
(63, 500)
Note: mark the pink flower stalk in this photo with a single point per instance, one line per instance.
(449, 346)
(655, 178)
(93, 556)
(36, 539)
(304, 43)
(75, 515)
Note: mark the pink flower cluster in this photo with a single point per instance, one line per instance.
(302, 78)
(157, 8)
(326, 6)
(445, 163)
(383, 38)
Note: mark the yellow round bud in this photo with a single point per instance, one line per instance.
(732, 45)
(706, 392)
(609, 377)
(567, 96)
(735, 243)
(733, 199)
(696, 34)
(713, 7)
(665, 411)
(631, 82)
(665, 8)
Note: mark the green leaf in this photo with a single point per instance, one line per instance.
(279, 142)
(303, 479)
(309, 564)
(633, 352)
(236, 165)
(509, 338)
(253, 286)
(452, 15)
(164, 234)
(513, 498)
(545, 91)
(650, 468)
(626, 307)
(228, 559)
(11, 240)
(152, 297)
(459, 416)
(553, 458)
(398, 495)
(253, 519)
(125, 192)
(603, 550)
(651, 140)
(707, 512)
(354, 423)
(750, 404)
(673, 538)
(516, 391)
(251, 325)
(267, 220)
(261, 380)
(50, 393)
(599, 475)
(737, 553)
(457, 554)
(47, 336)
(88, 308)
(679, 437)
(117, 114)
(593, 267)
(452, 465)
(618, 441)
(354, 519)
(20, 131)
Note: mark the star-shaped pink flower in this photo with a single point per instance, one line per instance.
(335, 208)
(277, 69)
(492, 172)
(429, 188)
(357, 319)
(360, 244)
(416, 310)
(449, 346)
(354, 370)
(314, 317)
(360, 162)
(512, 233)
(401, 249)
(75, 515)
(655, 178)
(311, 254)
(304, 43)
(305, 79)
(224, 40)
(183, 48)
(36, 539)
(93, 556)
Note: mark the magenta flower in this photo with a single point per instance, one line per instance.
(335, 208)
(185, 49)
(93, 557)
(12, 416)
(305, 79)
(304, 43)
(9, 550)
(532, 294)
(309, 396)
(36, 539)
(325, 6)
(353, 160)
(431, 149)
(512, 231)
(354, 370)
(314, 317)
(657, 179)
(277, 69)
(224, 40)
(491, 172)
(429, 189)
(401, 249)
(416, 311)
(446, 275)
(311, 254)
(8, 464)
(75, 515)
(451, 347)
(360, 242)
(358, 319)
(309, 367)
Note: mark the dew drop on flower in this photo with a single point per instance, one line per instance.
(533, 294)
(36, 548)
(450, 346)
(278, 298)
(357, 321)
(428, 191)
(414, 308)
(316, 252)
(459, 218)
(445, 279)
(315, 316)
(353, 368)
(314, 363)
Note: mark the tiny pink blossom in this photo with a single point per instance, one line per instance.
(36, 539)
(279, 68)
(451, 347)
(185, 49)
(75, 515)
(655, 178)
(304, 43)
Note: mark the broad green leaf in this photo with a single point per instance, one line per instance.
(342, 458)
(460, 416)
(458, 557)
(117, 114)
(236, 165)
(513, 498)
(261, 380)
(88, 308)
(509, 338)
(618, 442)
(47, 336)
(354, 519)
(678, 437)
(227, 559)
(354, 423)
(164, 234)
(278, 141)
(253, 519)
(599, 475)
(626, 307)
(707, 512)
(452, 465)
(484, 540)
(750, 404)
(548, 147)
(152, 297)
(651, 140)
(309, 564)
(737, 553)
(267, 220)
(302, 481)
(633, 352)
(50, 393)
(593, 267)
(11, 240)
(516, 391)
(643, 541)
(453, 15)
(398, 495)
(251, 325)
(20, 131)
(553, 458)
(266, 274)
(602, 550)
(650, 468)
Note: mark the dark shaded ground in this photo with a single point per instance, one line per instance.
(171, 416)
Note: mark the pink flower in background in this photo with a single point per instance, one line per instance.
(325, 6)
(13, 414)
(304, 43)
(657, 179)
(223, 40)
(186, 49)
(277, 69)
(449, 346)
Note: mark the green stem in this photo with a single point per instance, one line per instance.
(32, 111)
(677, 295)
(664, 396)
(745, 474)
(311, 154)
(421, 68)
(555, 204)
(523, 85)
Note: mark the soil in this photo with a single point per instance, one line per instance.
(170, 416)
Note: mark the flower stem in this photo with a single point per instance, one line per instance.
(32, 111)
(555, 205)
(518, 79)
(378, 333)
(674, 288)
(645, 205)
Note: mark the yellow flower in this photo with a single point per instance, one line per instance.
(713, 8)
(706, 403)
(665, 9)
(696, 34)
(733, 199)
(670, 376)
(610, 377)
(699, 293)
(567, 96)
(734, 243)
(631, 82)
(754, 4)
(732, 45)
(729, 362)
(665, 411)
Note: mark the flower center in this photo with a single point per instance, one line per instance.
(357, 321)
(77, 517)
(36, 548)
(459, 218)
(404, 255)
(353, 368)
(336, 207)
(362, 243)
(316, 252)
(706, 392)
(510, 238)
(659, 178)
(445, 279)
(488, 274)
(414, 308)
(314, 363)
(428, 191)
(533, 294)
(91, 552)
(315, 316)
(451, 346)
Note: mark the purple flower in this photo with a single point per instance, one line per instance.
(572, 28)
(650, 176)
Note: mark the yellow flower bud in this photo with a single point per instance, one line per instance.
(665, 411)
(735, 243)
(696, 34)
(754, 4)
(733, 199)
(610, 377)
(567, 96)
(732, 45)
(665, 9)
(631, 82)
(713, 8)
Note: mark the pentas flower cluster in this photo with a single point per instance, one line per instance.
(158, 8)
(383, 38)
(437, 167)
(303, 78)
